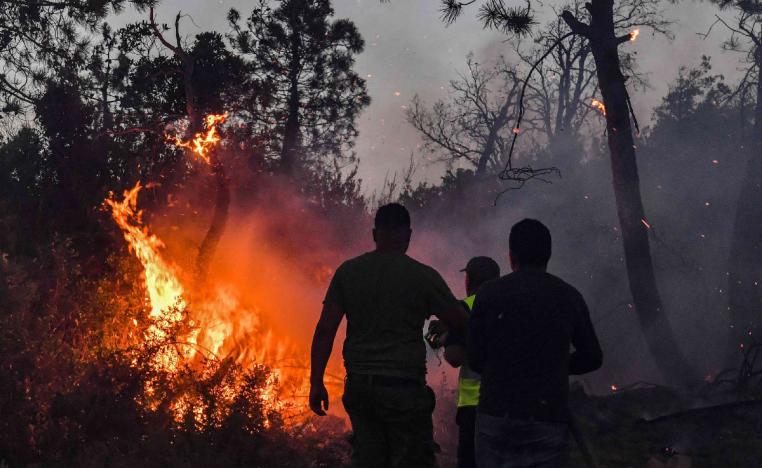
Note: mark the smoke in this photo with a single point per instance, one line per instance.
(279, 250)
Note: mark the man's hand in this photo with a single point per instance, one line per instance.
(436, 334)
(437, 327)
(318, 399)
(322, 342)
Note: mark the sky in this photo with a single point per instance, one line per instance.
(410, 51)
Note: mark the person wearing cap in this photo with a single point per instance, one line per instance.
(520, 333)
(478, 271)
(386, 297)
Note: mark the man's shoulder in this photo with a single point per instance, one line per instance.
(511, 280)
(492, 287)
(355, 261)
(421, 267)
(566, 290)
(373, 259)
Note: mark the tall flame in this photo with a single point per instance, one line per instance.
(203, 142)
(634, 34)
(165, 292)
(219, 325)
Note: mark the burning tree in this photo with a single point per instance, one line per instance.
(604, 43)
(105, 345)
(603, 36)
(563, 91)
(203, 146)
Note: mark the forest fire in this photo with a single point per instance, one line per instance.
(200, 208)
(163, 288)
(192, 324)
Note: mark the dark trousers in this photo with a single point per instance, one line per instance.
(391, 422)
(506, 443)
(466, 420)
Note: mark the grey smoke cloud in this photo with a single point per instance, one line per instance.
(410, 51)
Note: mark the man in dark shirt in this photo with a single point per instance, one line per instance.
(386, 297)
(519, 338)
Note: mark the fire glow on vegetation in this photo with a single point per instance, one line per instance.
(203, 142)
(163, 288)
(206, 323)
(599, 105)
(634, 34)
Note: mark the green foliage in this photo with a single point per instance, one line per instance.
(298, 51)
(44, 39)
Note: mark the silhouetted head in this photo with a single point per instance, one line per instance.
(529, 245)
(391, 231)
(479, 270)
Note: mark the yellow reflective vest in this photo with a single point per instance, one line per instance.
(468, 380)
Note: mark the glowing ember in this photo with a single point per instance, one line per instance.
(645, 223)
(599, 105)
(614, 388)
(203, 142)
(634, 34)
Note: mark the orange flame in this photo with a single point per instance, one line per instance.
(163, 288)
(203, 142)
(221, 326)
(634, 34)
(162, 285)
(599, 105)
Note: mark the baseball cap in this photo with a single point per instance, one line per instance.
(483, 267)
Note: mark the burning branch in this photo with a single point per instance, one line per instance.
(201, 144)
(600, 106)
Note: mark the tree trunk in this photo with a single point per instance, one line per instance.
(195, 118)
(491, 143)
(289, 156)
(196, 125)
(745, 263)
(654, 323)
(219, 220)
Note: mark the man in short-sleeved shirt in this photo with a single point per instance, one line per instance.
(386, 297)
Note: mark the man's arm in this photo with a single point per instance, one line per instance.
(455, 355)
(476, 349)
(322, 344)
(453, 315)
(587, 355)
(443, 305)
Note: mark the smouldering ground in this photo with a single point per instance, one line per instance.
(618, 429)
